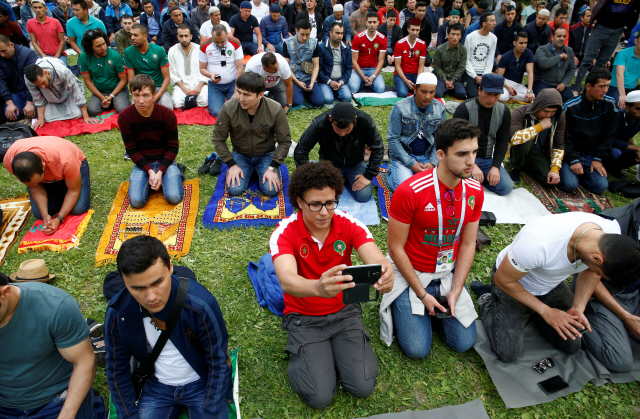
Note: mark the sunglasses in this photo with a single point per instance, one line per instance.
(450, 197)
(543, 365)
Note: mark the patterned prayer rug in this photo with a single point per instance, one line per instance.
(15, 212)
(384, 191)
(557, 201)
(251, 209)
(172, 224)
(66, 237)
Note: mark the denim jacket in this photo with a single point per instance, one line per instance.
(306, 54)
(405, 124)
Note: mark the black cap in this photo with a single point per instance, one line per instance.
(344, 111)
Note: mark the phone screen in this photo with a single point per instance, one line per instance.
(553, 384)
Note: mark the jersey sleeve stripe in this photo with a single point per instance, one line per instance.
(355, 221)
(416, 190)
(273, 241)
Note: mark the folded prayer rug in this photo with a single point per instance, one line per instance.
(195, 116)
(106, 121)
(251, 208)
(66, 237)
(172, 224)
(384, 191)
(15, 212)
(557, 201)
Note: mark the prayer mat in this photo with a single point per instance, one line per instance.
(250, 209)
(172, 224)
(15, 212)
(66, 237)
(518, 207)
(517, 382)
(471, 410)
(384, 191)
(366, 212)
(195, 116)
(368, 97)
(108, 120)
(557, 201)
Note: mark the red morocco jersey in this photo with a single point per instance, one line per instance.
(414, 202)
(291, 237)
(409, 57)
(369, 49)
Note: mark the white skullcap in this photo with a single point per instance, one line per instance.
(633, 97)
(213, 9)
(338, 8)
(544, 12)
(427, 78)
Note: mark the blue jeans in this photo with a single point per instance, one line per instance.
(458, 90)
(615, 95)
(172, 186)
(57, 191)
(593, 181)
(414, 332)
(249, 48)
(278, 47)
(315, 96)
(401, 88)
(343, 94)
(20, 101)
(398, 172)
(50, 410)
(62, 58)
(218, 93)
(356, 83)
(504, 186)
(248, 164)
(159, 400)
(350, 173)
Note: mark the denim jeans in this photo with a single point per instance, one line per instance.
(315, 96)
(218, 93)
(159, 400)
(172, 186)
(414, 332)
(248, 164)
(401, 87)
(50, 410)
(356, 83)
(615, 95)
(398, 172)
(602, 43)
(56, 192)
(120, 102)
(249, 48)
(350, 173)
(458, 90)
(343, 94)
(504, 187)
(620, 159)
(593, 181)
(62, 58)
(278, 47)
(20, 101)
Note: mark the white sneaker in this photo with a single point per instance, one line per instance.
(638, 172)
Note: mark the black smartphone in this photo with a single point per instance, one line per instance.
(442, 300)
(218, 76)
(553, 385)
(363, 276)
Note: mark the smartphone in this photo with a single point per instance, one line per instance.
(442, 300)
(218, 76)
(553, 385)
(363, 276)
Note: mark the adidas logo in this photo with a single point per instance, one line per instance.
(429, 207)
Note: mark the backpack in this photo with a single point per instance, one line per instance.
(627, 188)
(12, 132)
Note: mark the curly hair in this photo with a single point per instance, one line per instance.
(318, 176)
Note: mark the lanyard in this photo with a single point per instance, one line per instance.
(438, 201)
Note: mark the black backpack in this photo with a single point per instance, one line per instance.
(627, 188)
(12, 132)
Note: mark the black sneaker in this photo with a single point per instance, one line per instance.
(216, 167)
(126, 156)
(204, 169)
(479, 288)
(96, 329)
(100, 350)
(515, 176)
(181, 167)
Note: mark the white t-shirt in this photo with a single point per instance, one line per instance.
(314, 26)
(255, 65)
(260, 11)
(170, 368)
(540, 249)
(211, 54)
(205, 29)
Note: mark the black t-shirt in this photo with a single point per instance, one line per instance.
(244, 29)
(515, 67)
(617, 13)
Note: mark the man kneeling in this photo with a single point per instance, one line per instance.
(531, 274)
(325, 335)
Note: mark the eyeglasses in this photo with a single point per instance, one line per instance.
(317, 207)
(450, 197)
(543, 365)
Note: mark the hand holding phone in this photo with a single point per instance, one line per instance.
(442, 300)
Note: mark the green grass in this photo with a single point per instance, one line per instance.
(219, 259)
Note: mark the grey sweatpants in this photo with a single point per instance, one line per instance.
(320, 346)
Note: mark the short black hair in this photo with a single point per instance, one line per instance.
(218, 30)
(80, 3)
(334, 24)
(183, 26)
(484, 17)
(90, 36)
(519, 35)
(32, 72)
(269, 59)
(372, 15)
(452, 130)
(145, 2)
(4, 279)
(143, 29)
(483, 5)
(392, 13)
(26, 164)
(311, 175)
(4, 11)
(343, 123)
(141, 81)
(562, 11)
(125, 16)
(421, 4)
(621, 258)
(303, 24)
(455, 27)
(597, 74)
(557, 28)
(173, 9)
(251, 82)
(5, 39)
(139, 253)
(379, 2)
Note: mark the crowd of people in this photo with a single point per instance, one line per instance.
(145, 60)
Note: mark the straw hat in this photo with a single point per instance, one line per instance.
(32, 270)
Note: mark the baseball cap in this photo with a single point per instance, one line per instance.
(245, 5)
(492, 83)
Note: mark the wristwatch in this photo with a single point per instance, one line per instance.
(529, 91)
(59, 217)
(272, 168)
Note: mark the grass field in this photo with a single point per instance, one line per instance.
(219, 259)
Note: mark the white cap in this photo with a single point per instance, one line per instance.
(212, 9)
(427, 78)
(544, 12)
(633, 97)
(338, 8)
